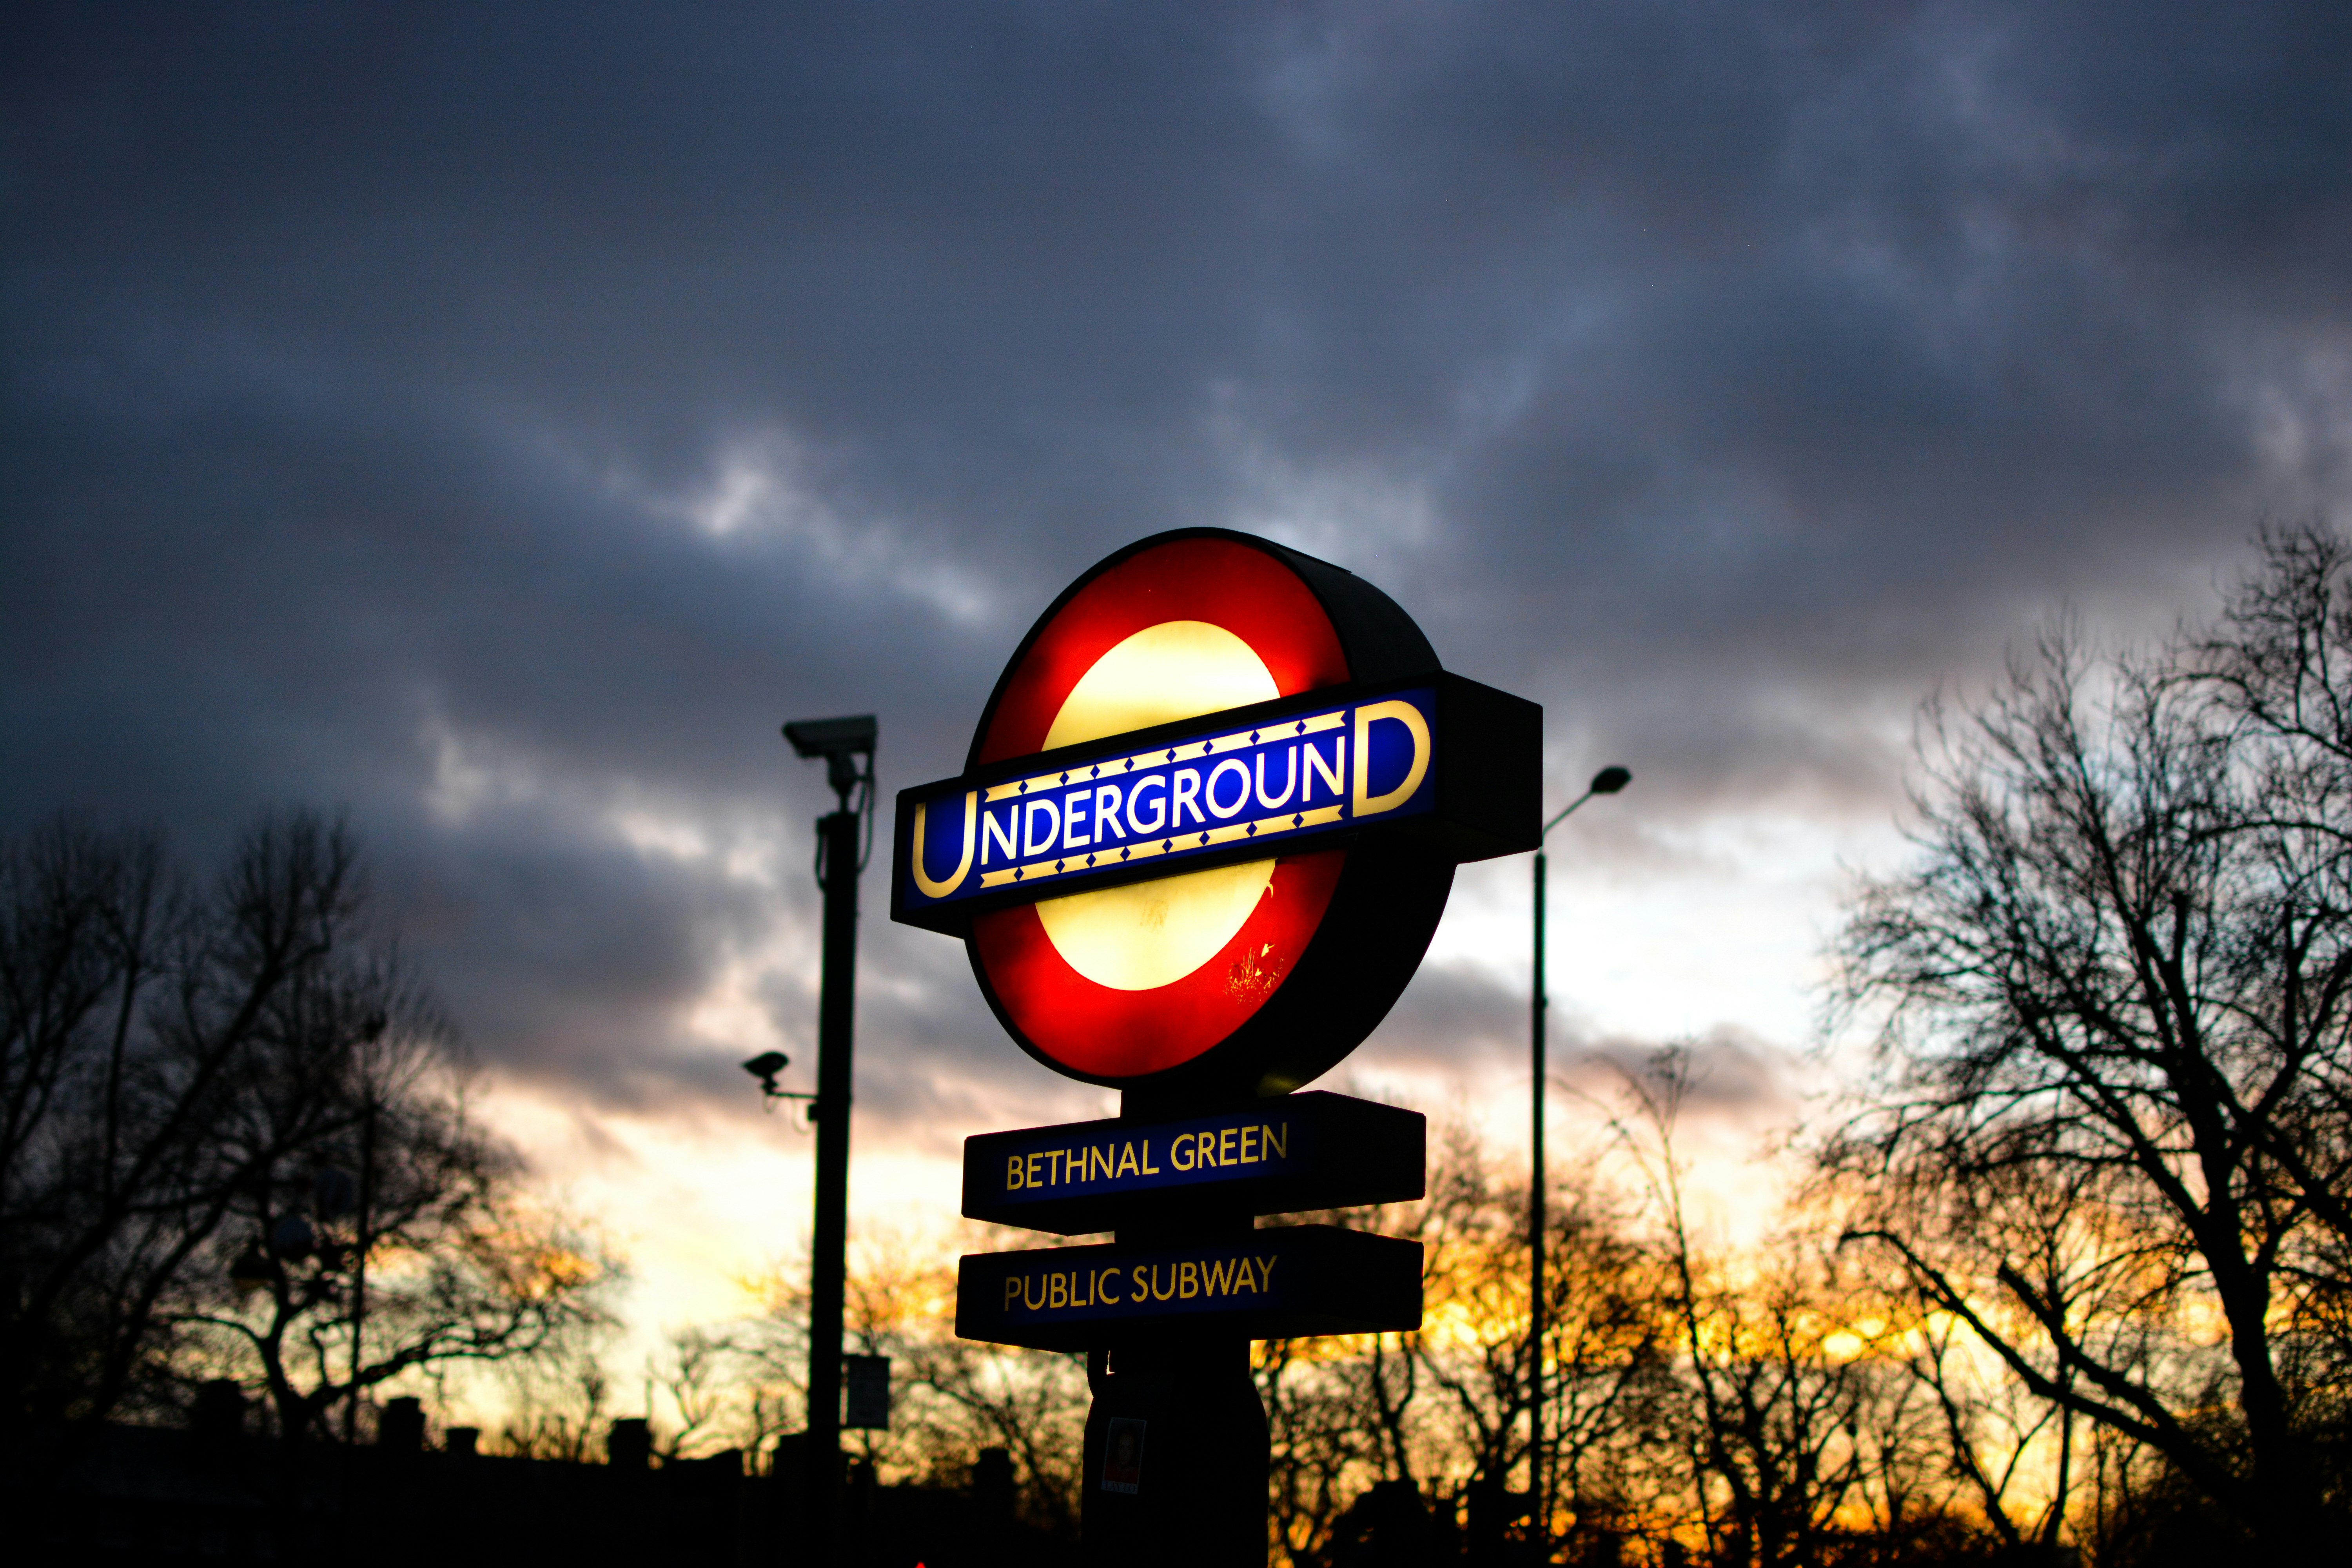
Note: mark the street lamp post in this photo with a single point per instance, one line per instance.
(1608, 781)
(843, 743)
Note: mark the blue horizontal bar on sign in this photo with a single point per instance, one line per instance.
(1283, 1155)
(1284, 1283)
(1436, 757)
(1234, 786)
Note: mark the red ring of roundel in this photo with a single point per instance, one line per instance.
(1093, 1030)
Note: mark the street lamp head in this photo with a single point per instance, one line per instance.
(1608, 781)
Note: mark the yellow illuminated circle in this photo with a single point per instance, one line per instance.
(1177, 669)
(1149, 935)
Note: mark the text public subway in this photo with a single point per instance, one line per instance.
(1114, 1284)
(1211, 1149)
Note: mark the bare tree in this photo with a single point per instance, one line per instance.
(2278, 675)
(137, 1014)
(436, 1258)
(238, 1090)
(2111, 998)
(951, 1399)
(959, 1396)
(1435, 1413)
(95, 1114)
(560, 1404)
(1775, 1424)
(1322, 1450)
(1990, 1428)
(694, 1373)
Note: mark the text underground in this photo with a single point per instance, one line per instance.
(1279, 779)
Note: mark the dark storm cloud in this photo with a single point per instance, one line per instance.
(495, 420)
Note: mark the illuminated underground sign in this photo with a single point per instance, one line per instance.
(1209, 819)
(1300, 1151)
(1280, 1283)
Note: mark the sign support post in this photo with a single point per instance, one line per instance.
(1187, 1409)
(1184, 1404)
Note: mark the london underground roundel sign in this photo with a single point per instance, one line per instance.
(1210, 818)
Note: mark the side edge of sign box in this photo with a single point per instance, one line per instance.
(1286, 1154)
(1286, 1282)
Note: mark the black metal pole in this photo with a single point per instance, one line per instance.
(1608, 781)
(836, 1001)
(1537, 1522)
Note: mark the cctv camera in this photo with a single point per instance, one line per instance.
(832, 737)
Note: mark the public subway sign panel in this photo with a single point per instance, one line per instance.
(1284, 1283)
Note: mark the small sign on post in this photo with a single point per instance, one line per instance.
(867, 1386)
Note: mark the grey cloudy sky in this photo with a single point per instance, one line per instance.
(494, 419)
